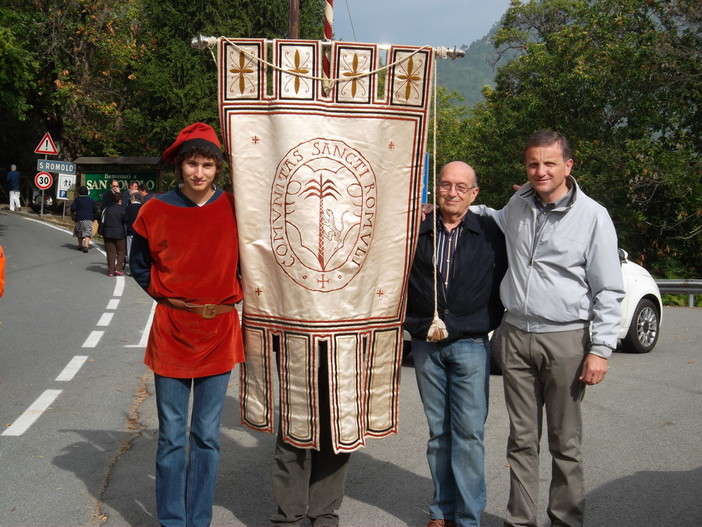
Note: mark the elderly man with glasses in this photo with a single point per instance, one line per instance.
(456, 273)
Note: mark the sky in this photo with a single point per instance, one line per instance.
(416, 22)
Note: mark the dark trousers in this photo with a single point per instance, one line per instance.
(307, 482)
(115, 250)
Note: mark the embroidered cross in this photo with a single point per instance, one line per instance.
(255, 139)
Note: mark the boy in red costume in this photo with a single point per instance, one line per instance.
(185, 255)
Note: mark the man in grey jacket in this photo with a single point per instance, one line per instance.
(562, 293)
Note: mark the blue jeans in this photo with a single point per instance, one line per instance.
(185, 489)
(453, 383)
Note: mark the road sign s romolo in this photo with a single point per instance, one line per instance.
(43, 180)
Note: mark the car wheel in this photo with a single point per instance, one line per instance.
(643, 332)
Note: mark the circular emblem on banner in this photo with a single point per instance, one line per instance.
(323, 206)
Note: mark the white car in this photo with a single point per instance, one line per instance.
(642, 308)
(642, 312)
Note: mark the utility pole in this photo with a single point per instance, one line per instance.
(294, 19)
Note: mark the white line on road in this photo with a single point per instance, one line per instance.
(113, 303)
(119, 286)
(32, 413)
(72, 368)
(147, 329)
(93, 339)
(105, 319)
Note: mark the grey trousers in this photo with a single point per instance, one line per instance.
(309, 483)
(540, 370)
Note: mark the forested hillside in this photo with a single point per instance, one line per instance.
(467, 75)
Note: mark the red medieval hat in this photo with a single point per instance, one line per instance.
(197, 135)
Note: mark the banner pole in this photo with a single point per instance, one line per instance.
(328, 35)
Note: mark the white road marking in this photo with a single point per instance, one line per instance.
(49, 396)
(93, 339)
(119, 286)
(32, 413)
(72, 368)
(147, 329)
(105, 319)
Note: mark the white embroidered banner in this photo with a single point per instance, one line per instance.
(327, 189)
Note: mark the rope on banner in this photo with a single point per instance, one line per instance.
(202, 42)
(437, 329)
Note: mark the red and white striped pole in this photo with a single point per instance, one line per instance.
(328, 35)
(328, 19)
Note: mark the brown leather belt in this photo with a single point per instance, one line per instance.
(205, 311)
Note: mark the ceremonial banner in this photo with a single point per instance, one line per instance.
(327, 189)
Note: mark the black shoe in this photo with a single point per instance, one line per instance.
(85, 249)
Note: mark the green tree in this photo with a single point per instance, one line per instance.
(119, 78)
(622, 79)
(175, 84)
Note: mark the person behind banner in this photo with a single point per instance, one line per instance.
(309, 483)
(562, 293)
(453, 374)
(185, 255)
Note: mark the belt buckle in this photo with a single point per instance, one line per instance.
(209, 311)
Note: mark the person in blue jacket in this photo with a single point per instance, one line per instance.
(13, 187)
(84, 210)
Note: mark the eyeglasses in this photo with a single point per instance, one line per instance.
(114, 186)
(461, 189)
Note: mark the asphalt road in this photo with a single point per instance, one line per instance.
(88, 458)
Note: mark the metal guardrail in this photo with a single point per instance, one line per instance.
(691, 287)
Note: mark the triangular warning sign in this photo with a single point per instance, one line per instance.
(46, 146)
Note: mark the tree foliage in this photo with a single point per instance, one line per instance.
(622, 79)
(119, 78)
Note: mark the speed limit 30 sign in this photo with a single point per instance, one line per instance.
(43, 180)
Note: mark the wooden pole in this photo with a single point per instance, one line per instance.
(294, 19)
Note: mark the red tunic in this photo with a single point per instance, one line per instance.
(195, 255)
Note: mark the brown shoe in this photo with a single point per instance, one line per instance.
(441, 523)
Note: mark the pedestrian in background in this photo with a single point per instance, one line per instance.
(107, 196)
(83, 210)
(130, 214)
(115, 236)
(13, 186)
(185, 255)
(145, 194)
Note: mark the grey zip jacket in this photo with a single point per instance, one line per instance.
(566, 277)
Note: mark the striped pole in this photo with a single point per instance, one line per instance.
(328, 34)
(328, 19)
